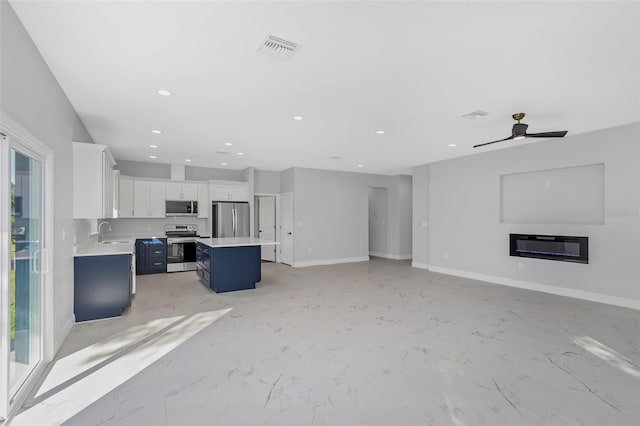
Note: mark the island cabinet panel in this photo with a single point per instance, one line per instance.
(224, 269)
(102, 286)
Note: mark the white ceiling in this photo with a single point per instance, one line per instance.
(411, 69)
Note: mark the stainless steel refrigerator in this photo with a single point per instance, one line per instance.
(229, 219)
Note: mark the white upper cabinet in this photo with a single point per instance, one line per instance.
(148, 199)
(220, 190)
(203, 200)
(125, 207)
(93, 181)
(176, 191)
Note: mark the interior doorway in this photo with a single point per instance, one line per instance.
(266, 224)
(378, 212)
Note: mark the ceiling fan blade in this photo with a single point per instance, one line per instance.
(489, 143)
(547, 134)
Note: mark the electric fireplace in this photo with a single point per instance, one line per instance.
(551, 247)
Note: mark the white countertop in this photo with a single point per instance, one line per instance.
(124, 244)
(235, 242)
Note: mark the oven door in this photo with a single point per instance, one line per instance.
(181, 254)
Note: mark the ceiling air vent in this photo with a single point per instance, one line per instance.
(475, 114)
(280, 48)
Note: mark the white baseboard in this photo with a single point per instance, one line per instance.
(330, 261)
(544, 288)
(420, 265)
(390, 256)
(59, 337)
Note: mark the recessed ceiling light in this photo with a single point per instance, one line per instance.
(228, 143)
(452, 145)
(163, 92)
(297, 117)
(157, 132)
(360, 165)
(241, 153)
(379, 132)
(152, 156)
(153, 146)
(223, 164)
(475, 114)
(187, 160)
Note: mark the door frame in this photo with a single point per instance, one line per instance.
(292, 226)
(32, 145)
(277, 207)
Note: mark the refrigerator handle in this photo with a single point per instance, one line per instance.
(235, 221)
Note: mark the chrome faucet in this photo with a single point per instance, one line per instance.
(100, 237)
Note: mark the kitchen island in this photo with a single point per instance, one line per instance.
(229, 264)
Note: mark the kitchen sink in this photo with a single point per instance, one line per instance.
(116, 242)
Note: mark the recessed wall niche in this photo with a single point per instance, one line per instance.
(572, 195)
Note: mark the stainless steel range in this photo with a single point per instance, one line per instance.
(181, 247)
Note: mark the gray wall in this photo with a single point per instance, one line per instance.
(463, 210)
(331, 214)
(208, 173)
(420, 222)
(378, 220)
(400, 213)
(163, 171)
(267, 182)
(32, 97)
(144, 169)
(287, 179)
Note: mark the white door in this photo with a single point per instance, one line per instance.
(267, 225)
(286, 228)
(23, 267)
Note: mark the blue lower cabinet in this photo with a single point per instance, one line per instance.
(224, 269)
(102, 286)
(151, 256)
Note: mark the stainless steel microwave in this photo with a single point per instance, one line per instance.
(181, 208)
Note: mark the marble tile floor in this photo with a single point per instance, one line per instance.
(370, 343)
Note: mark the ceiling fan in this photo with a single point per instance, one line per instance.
(519, 131)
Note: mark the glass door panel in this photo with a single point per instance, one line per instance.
(25, 277)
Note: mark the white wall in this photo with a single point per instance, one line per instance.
(31, 96)
(155, 226)
(460, 199)
(331, 215)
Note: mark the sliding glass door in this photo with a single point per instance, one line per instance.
(21, 302)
